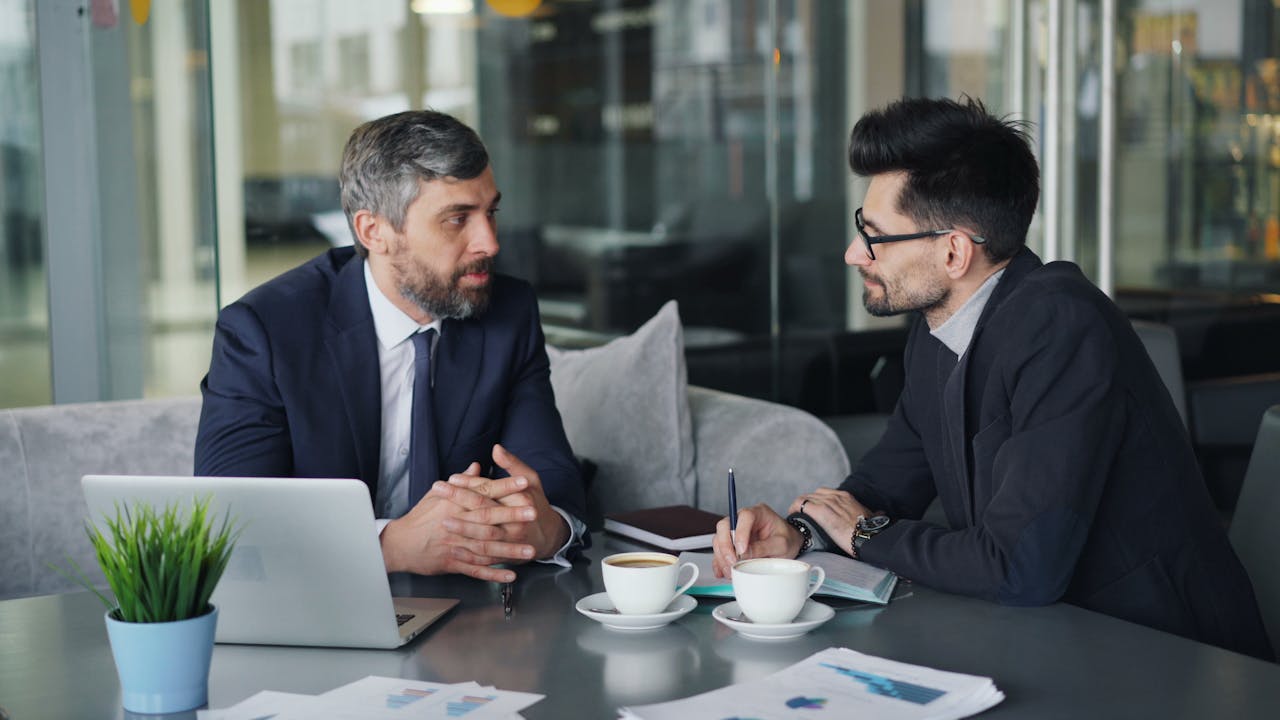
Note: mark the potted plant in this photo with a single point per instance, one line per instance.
(162, 567)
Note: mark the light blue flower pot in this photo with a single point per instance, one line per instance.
(163, 667)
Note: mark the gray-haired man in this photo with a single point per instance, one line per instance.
(405, 362)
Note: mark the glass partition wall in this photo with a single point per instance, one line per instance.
(24, 316)
(647, 150)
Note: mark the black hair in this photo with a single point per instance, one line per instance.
(965, 168)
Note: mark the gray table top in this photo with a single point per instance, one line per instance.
(1052, 662)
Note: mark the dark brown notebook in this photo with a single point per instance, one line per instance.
(675, 527)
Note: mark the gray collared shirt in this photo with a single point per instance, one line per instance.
(957, 332)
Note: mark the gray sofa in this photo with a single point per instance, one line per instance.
(44, 451)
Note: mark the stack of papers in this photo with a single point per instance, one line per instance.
(382, 697)
(846, 578)
(842, 684)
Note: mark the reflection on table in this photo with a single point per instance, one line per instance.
(1056, 661)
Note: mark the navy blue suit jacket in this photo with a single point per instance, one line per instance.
(1062, 465)
(293, 387)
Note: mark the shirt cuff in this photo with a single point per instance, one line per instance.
(577, 529)
(381, 524)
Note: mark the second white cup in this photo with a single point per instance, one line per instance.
(772, 591)
(644, 583)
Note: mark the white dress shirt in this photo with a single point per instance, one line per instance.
(395, 362)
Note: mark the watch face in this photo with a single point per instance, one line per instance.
(873, 524)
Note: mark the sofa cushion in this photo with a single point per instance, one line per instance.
(624, 406)
(777, 451)
(59, 444)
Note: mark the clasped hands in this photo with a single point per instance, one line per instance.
(763, 533)
(469, 522)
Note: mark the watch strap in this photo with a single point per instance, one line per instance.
(862, 533)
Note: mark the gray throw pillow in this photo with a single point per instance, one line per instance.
(625, 406)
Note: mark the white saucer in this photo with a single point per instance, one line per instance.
(588, 606)
(811, 616)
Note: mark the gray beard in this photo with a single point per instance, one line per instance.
(443, 300)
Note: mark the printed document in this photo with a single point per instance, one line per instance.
(840, 683)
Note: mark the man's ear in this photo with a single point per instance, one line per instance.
(961, 254)
(371, 231)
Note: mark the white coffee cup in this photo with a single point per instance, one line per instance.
(772, 591)
(644, 583)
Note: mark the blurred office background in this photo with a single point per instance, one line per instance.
(158, 159)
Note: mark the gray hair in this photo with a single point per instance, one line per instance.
(386, 158)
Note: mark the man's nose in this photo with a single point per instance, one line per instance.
(857, 254)
(485, 240)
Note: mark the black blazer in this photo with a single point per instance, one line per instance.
(1062, 465)
(293, 387)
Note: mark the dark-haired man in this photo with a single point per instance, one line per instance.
(407, 363)
(1031, 410)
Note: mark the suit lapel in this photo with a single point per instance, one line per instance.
(353, 346)
(955, 394)
(457, 369)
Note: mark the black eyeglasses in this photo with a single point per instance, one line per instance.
(876, 239)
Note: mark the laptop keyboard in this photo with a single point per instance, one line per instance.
(402, 618)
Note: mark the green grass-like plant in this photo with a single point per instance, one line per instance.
(162, 566)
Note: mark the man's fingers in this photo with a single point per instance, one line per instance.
(742, 536)
(472, 469)
(465, 497)
(471, 482)
(512, 464)
(474, 531)
(480, 572)
(499, 515)
(493, 489)
(488, 553)
(722, 547)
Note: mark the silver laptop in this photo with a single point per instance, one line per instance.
(307, 568)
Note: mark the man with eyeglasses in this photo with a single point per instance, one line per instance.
(1030, 411)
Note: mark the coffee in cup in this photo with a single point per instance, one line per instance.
(644, 583)
(773, 591)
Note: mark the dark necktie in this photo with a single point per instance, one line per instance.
(423, 457)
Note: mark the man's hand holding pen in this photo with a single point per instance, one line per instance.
(760, 532)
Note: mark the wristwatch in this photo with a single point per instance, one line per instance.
(815, 538)
(867, 528)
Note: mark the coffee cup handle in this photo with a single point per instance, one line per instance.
(822, 577)
(692, 579)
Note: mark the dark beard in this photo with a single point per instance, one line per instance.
(884, 306)
(442, 300)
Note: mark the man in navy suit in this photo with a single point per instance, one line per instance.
(1031, 410)
(316, 372)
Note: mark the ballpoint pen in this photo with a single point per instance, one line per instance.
(733, 503)
(507, 590)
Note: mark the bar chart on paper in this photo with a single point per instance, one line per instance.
(880, 685)
(397, 700)
(466, 704)
(836, 683)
